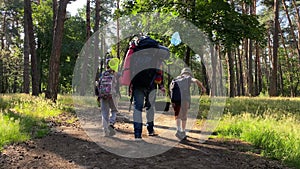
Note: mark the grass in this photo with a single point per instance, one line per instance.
(271, 124)
(23, 117)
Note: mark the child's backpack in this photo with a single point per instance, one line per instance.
(142, 62)
(180, 89)
(105, 85)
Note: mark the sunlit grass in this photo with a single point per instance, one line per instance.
(270, 124)
(10, 130)
(24, 116)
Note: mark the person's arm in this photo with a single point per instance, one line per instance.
(199, 84)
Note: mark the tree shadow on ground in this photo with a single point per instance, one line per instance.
(71, 148)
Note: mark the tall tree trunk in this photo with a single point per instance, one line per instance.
(35, 75)
(118, 31)
(187, 55)
(250, 69)
(267, 69)
(297, 16)
(26, 69)
(54, 10)
(87, 52)
(2, 48)
(88, 19)
(245, 10)
(269, 59)
(289, 66)
(250, 61)
(231, 74)
(221, 91)
(292, 28)
(96, 45)
(238, 85)
(214, 70)
(53, 80)
(241, 76)
(204, 72)
(258, 74)
(273, 84)
(280, 80)
(258, 78)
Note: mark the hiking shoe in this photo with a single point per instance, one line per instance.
(181, 135)
(178, 134)
(112, 130)
(106, 133)
(153, 134)
(138, 139)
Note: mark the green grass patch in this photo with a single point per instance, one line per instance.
(10, 130)
(23, 117)
(272, 124)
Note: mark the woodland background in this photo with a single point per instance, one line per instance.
(256, 40)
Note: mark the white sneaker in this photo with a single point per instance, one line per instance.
(138, 139)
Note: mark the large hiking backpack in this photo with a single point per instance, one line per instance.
(142, 62)
(105, 85)
(180, 89)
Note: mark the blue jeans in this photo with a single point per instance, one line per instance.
(141, 96)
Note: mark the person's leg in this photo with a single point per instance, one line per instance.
(138, 101)
(184, 111)
(150, 112)
(113, 116)
(176, 108)
(105, 115)
(183, 116)
(114, 111)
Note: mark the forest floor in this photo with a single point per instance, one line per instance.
(69, 146)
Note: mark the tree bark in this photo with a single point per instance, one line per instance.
(238, 85)
(118, 31)
(96, 45)
(297, 16)
(87, 51)
(214, 71)
(250, 61)
(245, 10)
(289, 65)
(204, 72)
(258, 74)
(53, 80)
(273, 84)
(221, 85)
(250, 69)
(231, 74)
(242, 86)
(26, 69)
(35, 75)
(258, 78)
(2, 84)
(292, 28)
(187, 55)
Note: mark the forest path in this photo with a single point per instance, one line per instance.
(81, 145)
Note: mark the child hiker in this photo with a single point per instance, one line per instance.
(181, 99)
(108, 98)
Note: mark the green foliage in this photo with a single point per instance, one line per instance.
(217, 18)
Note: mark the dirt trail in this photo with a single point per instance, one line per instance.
(69, 146)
